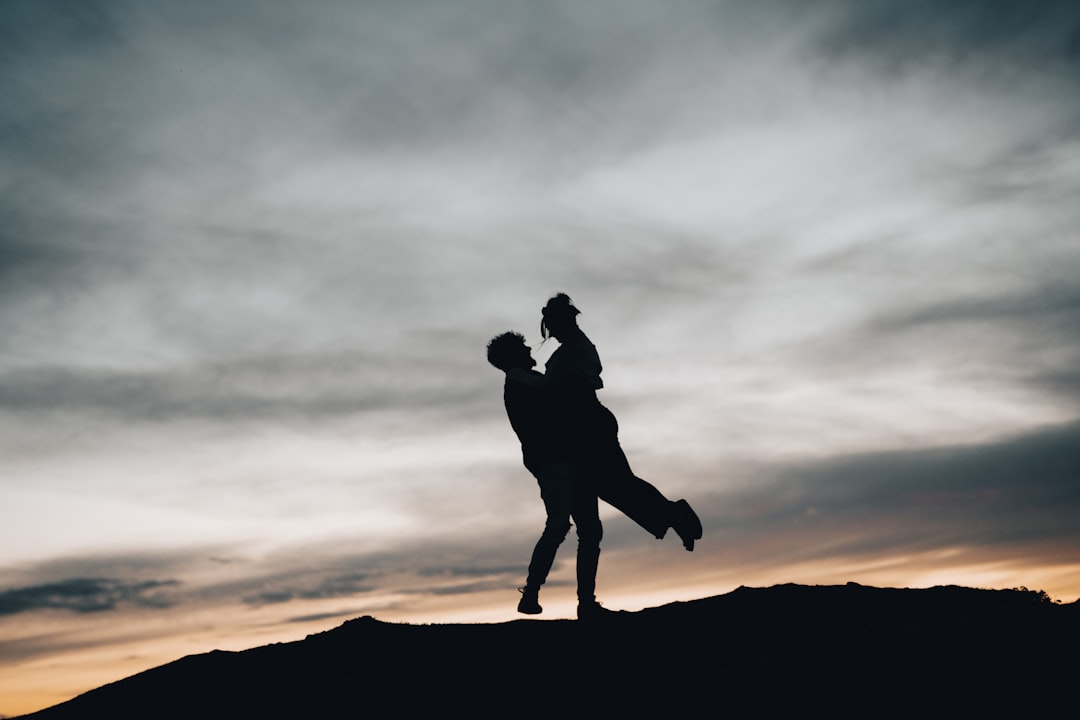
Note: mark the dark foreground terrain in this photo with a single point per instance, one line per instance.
(847, 651)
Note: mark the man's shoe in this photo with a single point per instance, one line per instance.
(595, 611)
(530, 602)
(686, 523)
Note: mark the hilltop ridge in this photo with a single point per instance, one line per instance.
(847, 649)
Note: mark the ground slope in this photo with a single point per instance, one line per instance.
(843, 650)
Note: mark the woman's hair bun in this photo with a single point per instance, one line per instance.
(560, 305)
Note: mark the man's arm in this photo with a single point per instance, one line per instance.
(531, 378)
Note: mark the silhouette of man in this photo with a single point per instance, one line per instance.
(567, 492)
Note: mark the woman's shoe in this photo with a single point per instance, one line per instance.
(686, 523)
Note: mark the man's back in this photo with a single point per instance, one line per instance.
(532, 416)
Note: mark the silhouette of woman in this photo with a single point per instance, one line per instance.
(571, 378)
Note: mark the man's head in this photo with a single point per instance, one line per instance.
(508, 351)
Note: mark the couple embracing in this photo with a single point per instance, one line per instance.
(570, 443)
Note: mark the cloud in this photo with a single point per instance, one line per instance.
(444, 579)
(465, 571)
(1034, 35)
(1051, 311)
(324, 587)
(296, 570)
(348, 163)
(1024, 342)
(1014, 497)
(467, 588)
(264, 387)
(86, 595)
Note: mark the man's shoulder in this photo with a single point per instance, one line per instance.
(531, 371)
(510, 385)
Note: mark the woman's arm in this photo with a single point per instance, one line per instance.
(573, 363)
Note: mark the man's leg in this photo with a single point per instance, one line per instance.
(590, 532)
(556, 483)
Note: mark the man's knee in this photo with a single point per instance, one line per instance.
(556, 530)
(590, 534)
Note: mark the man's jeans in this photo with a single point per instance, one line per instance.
(567, 495)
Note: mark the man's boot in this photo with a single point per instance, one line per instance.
(530, 601)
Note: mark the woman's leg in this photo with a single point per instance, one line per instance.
(636, 498)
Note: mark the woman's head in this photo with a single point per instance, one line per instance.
(558, 316)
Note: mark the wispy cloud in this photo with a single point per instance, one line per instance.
(1014, 498)
(85, 595)
(339, 586)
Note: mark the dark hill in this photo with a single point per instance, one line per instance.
(838, 650)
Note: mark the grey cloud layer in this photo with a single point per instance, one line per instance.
(1044, 33)
(238, 90)
(85, 595)
(1017, 498)
(171, 109)
(281, 387)
(1014, 498)
(296, 573)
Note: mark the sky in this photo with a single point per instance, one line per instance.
(251, 254)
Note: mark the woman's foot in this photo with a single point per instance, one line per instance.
(686, 523)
